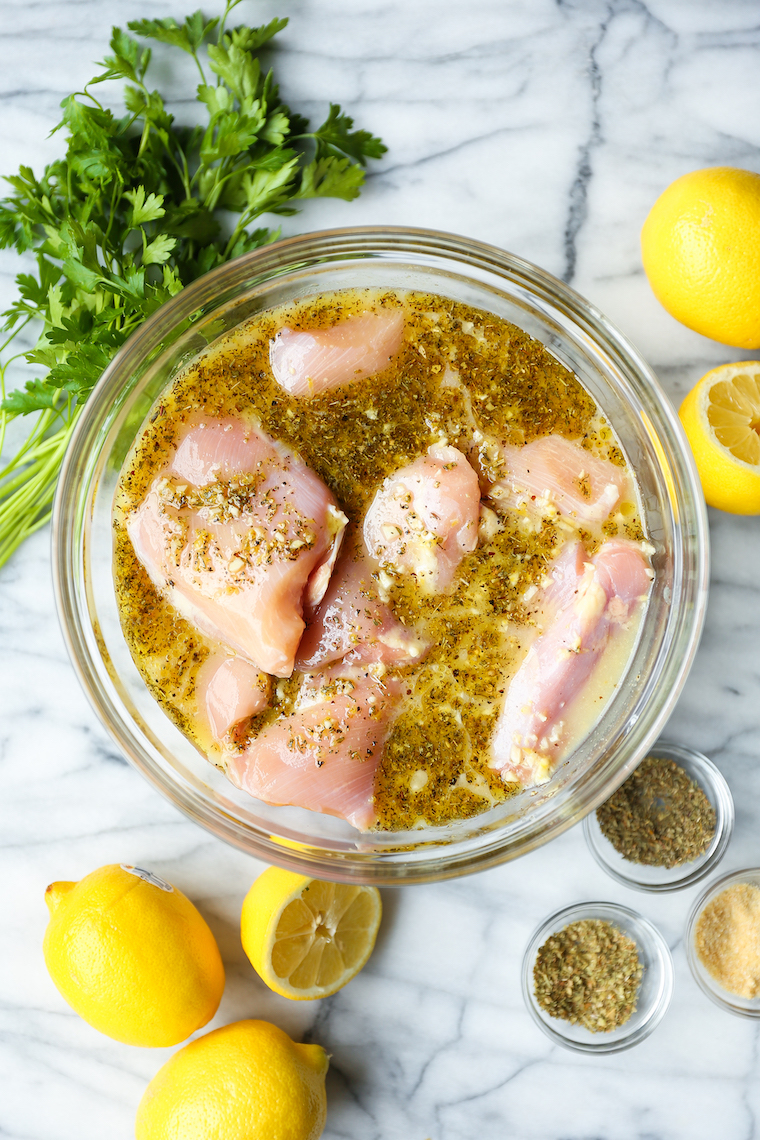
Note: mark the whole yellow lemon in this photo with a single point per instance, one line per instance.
(246, 1081)
(701, 251)
(132, 956)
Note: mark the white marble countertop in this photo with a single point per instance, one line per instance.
(547, 128)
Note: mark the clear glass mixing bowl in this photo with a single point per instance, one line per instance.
(478, 275)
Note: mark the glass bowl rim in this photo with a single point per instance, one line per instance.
(713, 990)
(623, 1041)
(724, 825)
(366, 241)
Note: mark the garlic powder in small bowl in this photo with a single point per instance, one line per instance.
(723, 942)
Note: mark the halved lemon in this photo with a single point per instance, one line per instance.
(721, 418)
(304, 937)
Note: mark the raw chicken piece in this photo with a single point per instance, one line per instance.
(623, 573)
(324, 756)
(564, 475)
(565, 573)
(424, 519)
(528, 738)
(307, 363)
(352, 619)
(229, 690)
(236, 533)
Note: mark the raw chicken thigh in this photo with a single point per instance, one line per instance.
(229, 690)
(324, 756)
(424, 519)
(561, 474)
(352, 619)
(307, 363)
(403, 630)
(238, 533)
(587, 603)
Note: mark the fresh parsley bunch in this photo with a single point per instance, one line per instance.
(131, 214)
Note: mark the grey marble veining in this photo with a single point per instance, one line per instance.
(547, 128)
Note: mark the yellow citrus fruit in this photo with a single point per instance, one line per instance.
(132, 956)
(307, 938)
(245, 1081)
(721, 418)
(701, 250)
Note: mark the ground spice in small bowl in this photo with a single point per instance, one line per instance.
(588, 974)
(659, 816)
(727, 939)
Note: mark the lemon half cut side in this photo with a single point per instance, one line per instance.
(304, 937)
(721, 418)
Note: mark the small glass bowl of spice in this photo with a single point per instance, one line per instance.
(723, 942)
(597, 977)
(667, 826)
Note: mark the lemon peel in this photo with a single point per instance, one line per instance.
(700, 247)
(132, 956)
(245, 1081)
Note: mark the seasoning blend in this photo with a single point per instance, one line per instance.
(659, 816)
(723, 942)
(667, 826)
(728, 939)
(597, 977)
(588, 973)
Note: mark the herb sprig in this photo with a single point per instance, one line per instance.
(133, 212)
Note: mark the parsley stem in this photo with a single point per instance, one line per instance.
(222, 23)
(26, 499)
(198, 62)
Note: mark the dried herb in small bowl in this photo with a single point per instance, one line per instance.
(588, 973)
(659, 816)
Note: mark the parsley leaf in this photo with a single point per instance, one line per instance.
(335, 137)
(144, 209)
(127, 62)
(331, 178)
(188, 36)
(156, 252)
(251, 39)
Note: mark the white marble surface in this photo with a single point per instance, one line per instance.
(547, 128)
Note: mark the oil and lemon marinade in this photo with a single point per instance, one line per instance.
(461, 376)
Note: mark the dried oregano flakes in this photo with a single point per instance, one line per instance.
(659, 817)
(589, 974)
